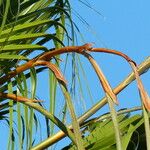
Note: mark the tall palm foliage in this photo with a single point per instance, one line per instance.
(32, 37)
(25, 27)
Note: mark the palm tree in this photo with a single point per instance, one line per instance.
(33, 35)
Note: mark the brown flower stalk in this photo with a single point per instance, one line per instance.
(45, 57)
(53, 68)
(105, 84)
(105, 50)
(17, 98)
(144, 96)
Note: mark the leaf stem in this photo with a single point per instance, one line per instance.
(54, 119)
(115, 122)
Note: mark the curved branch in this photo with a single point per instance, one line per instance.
(53, 68)
(105, 84)
(144, 96)
(111, 51)
(15, 72)
(44, 57)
